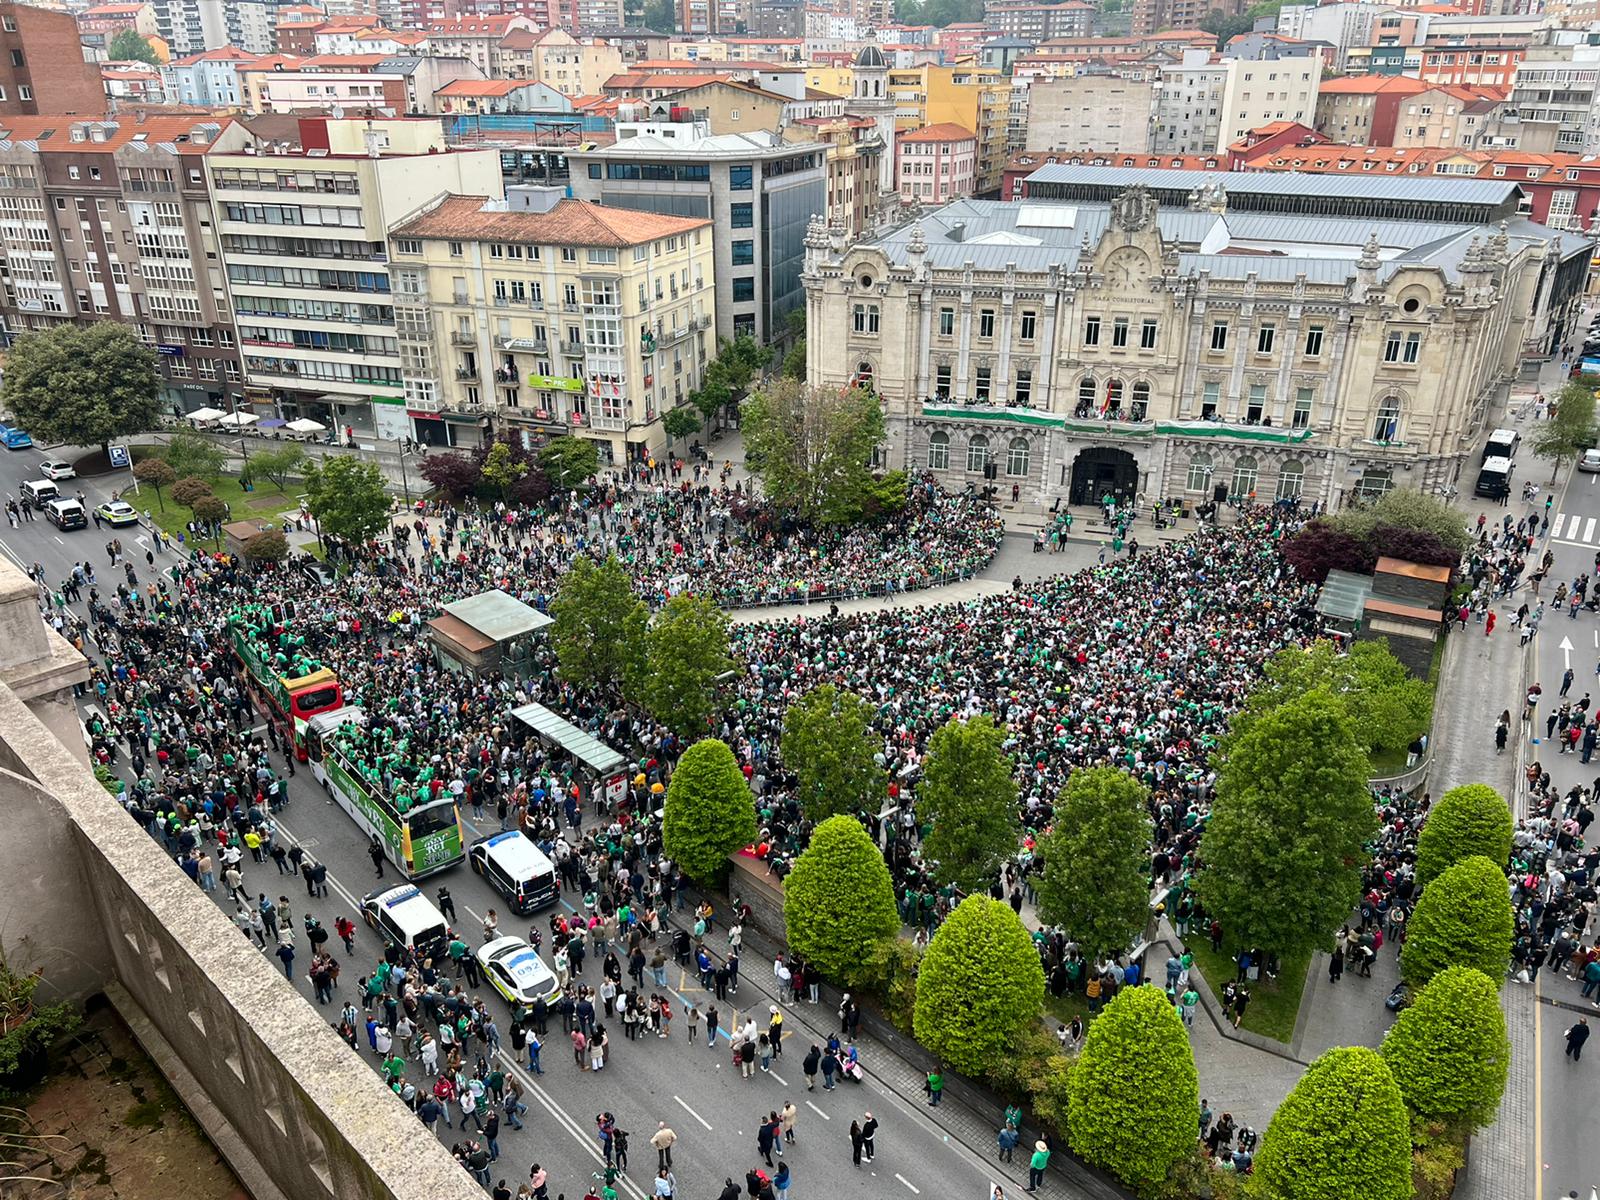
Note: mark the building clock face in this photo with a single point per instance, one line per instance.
(1126, 268)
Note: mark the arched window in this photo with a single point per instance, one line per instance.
(1141, 401)
(1386, 424)
(1086, 392)
(1244, 476)
(939, 451)
(977, 454)
(864, 375)
(1200, 472)
(1017, 457)
(1291, 478)
(1114, 393)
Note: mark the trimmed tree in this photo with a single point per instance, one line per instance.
(685, 650)
(280, 464)
(456, 475)
(347, 498)
(85, 385)
(968, 795)
(829, 744)
(1449, 1051)
(211, 508)
(501, 470)
(568, 461)
(1133, 1095)
(192, 456)
(1468, 820)
(590, 634)
(681, 422)
(1341, 1132)
(838, 901)
(1096, 861)
(1283, 850)
(190, 491)
(157, 474)
(980, 986)
(1462, 920)
(710, 810)
(268, 546)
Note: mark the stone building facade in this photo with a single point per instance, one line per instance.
(1192, 352)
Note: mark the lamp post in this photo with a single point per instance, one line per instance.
(244, 453)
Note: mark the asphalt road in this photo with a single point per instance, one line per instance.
(690, 1086)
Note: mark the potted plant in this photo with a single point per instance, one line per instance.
(27, 1029)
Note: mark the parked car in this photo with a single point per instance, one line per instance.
(515, 970)
(117, 512)
(54, 468)
(1590, 462)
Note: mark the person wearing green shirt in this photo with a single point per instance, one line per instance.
(394, 1067)
(1188, 1000)
(1037, 1164)
(935, 1087)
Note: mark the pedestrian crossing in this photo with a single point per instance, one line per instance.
(1574, 529)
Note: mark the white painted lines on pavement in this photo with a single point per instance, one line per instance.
(818, 1111)
(915, 1190)
(59, 542)
(1588, 529)
(585, 1140)
(779, 1078)
(692, 1113)
(472, 914)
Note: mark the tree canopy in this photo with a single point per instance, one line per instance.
(347, 497)
(1407, 508)
(1449, 1051)
(84, 385)
(1467, 820)
(1341, 1132)
(710, 810)
(280, 464)
(685, 650)
(568, 462)
(812, 448)
(1134, 1092)
(194, 457)
(501, 471)
(838, 901)
(1096, 858)
(590, 634)
(1463, 919)
(980, 986)
(968, 795)
(829, 744)
(1570, 428)
(128, 45)
(1283, 850)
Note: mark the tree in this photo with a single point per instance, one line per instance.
(1341, 1132)
(828, 743)
(980, 986)
(794, 362)
(661, 16)
(569, 461)
(714, 393)
(280, 464)
(500, 471)
(1462, 920)
(685, 650)
(1134, 1092)
(1449, 1051)
(1570, 427)
(681, 422)
(347, 498)
(590, 634)
(838, 901)
(968, 795)
(189, 492)
(710, 811)
(190, 455)
(1319, 548)
(1283, 850)
(1467, 820)
(456, 475)
(1407, 508)
(129, 46)
(211, 508)
(1388, 707)
(812, 447)
(268, 546)
(84, 385)
(157, 473)
(1097, 861)
(1412, 545)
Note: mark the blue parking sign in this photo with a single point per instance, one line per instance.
(119, 456)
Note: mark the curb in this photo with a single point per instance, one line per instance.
(1208, 1002)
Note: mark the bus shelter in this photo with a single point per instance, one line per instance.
(486, 633)
(596, 768)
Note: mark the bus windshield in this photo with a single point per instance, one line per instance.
(316, 700)
(431, 819)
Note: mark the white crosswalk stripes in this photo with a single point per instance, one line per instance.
(1574, 529)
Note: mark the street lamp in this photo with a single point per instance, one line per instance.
(244, 453)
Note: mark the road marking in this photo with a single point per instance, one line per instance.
(915, 1190)
(818, 1111)
(692, 1113)
(1588, 530)
(586, 1141)
(472, 914)
(59, 542)
(1538, 1100)
(778, 1077)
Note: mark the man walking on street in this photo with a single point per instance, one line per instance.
(662, 1140)
(1577, 1035)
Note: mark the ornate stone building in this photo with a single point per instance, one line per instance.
(1149, 349)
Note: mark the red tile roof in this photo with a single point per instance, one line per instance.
(154, 130)
(569, 223)
(948, 131)
(484, 87)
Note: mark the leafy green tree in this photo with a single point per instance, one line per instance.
(812, 448)
(1467, 820)
(968, 795)
(981, 985)
(211, 508)
(501, 471)
(84, 385)
(829, 744)
(1463, 919)
(794, 362)
(1570, 428)
(685, 650)
(1283, 850)
(1406, 508)
(568, 461)
(1449, 1051)
(348, 498)
(157, 473)
(681, 422)
(129, 46)
(661, 16)
(1341, 1132)
(710, 811)
(192, 456)
(189, 492)
(280, 464)
(1134, 1093)
(1096, 856)
(591, 610)
(1388, 707)
(268, 546)
(838, 901)
(714, 393)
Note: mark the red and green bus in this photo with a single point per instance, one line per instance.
(289, 697)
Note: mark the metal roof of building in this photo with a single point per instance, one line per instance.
(1344, 595)
(497, 615)
(1488, 192)
(586, 748)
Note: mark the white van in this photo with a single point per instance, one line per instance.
(38, 492)
(515, 868)
(408, 919)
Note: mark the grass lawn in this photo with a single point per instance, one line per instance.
(1073, 1004)
(265, 502)
(1273, 1006)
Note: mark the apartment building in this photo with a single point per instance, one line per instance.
(190, 26)
(558, 317)
(571, 66)
(42, 65)
(1342, 26)
(1012, 18)
(108, 20)
(1154, 16)
(1188, 106)
(1555, 85)
(965, 95)
(475, 38)
(1084, 110)
(304, 230)
(210, 78)
(936, 165)
(757, 190)
(111, 220)
(1260, 93)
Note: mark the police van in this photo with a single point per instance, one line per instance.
(515, 868)
(404, 917)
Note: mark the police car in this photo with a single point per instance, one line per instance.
(515, 970)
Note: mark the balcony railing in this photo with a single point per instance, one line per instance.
(467, 374)
(460, 338)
